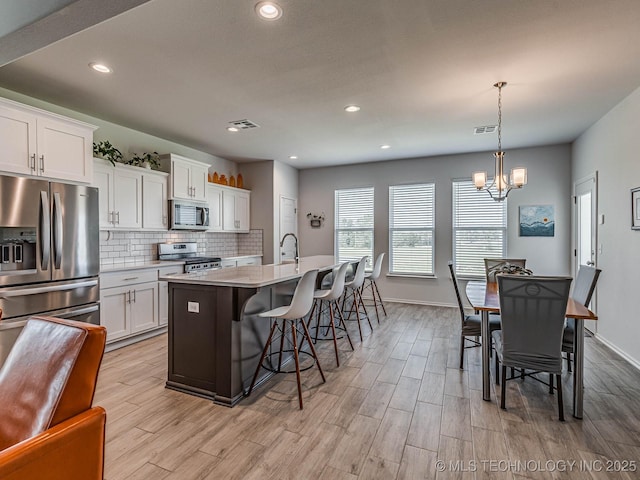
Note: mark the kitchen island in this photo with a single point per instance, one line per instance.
(215, 334)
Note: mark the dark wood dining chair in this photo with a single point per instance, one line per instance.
(532, 311)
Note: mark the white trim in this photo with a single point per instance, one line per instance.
(135, 339)
(419, 302)
(632, 361)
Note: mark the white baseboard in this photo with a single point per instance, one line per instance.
(419, 302)
(135, 339)
(622, 353)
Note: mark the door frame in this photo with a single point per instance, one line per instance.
(592, 178)
(280, 232)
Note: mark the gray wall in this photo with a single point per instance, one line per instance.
(549, 184)
(268, 181)
(611, 148)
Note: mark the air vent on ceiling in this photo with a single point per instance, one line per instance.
(485, 129)
(243, 124)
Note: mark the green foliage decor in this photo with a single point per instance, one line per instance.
(153, 159)
(107, 151)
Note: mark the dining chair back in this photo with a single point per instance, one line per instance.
(583, 289)
(532, 310)
(470, 325)
(493, 266)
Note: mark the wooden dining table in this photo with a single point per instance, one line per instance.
(484, 297)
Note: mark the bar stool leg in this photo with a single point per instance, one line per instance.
(333, 329)
(344, 325)
(354, 305)
(364, 308)
(375, 302)
(380, 298)
(313, 351)
(295, 356)
(283, 333)
(264, 354)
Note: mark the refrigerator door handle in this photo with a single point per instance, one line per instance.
(55, 288)
(80, 311)
(57, 231)
(45, 230)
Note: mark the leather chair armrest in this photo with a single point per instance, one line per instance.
(71, 450)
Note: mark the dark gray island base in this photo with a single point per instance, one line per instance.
(215, 335)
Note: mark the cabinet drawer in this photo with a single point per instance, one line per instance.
(119, 279)
(170, 270)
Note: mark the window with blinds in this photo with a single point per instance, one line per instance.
(479, 229)
(354, 223)
(411, 228)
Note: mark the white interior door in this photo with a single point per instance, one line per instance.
(288, 223)
(585, 234)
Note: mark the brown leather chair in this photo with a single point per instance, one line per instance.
(48, 429)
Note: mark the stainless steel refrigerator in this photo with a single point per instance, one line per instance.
(49, 253)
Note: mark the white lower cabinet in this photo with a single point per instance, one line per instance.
(163, 293)
(129, 302)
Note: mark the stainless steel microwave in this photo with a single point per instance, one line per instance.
(186, 215)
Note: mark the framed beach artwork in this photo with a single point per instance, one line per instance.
(537, 221)
(635, 208)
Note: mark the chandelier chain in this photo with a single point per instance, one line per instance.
(499, 117)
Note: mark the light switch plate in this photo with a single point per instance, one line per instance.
(193, 307)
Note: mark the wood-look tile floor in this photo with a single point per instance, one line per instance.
(397, 407)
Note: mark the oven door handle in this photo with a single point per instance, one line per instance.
(55, 288)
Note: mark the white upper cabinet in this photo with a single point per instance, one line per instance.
(120, 196)
(188, 179)
(214, 199)
(235, 210)
(155, 197)
(43, 144)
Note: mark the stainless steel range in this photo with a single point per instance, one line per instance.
(187, 252)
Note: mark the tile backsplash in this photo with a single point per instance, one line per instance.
(138, 247)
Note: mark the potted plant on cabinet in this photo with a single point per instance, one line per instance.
(107, 151)
(146, 160)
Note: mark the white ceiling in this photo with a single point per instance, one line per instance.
(422, 71)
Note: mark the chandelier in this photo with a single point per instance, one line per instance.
(501, 185)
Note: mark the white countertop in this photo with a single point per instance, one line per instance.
(254, 276)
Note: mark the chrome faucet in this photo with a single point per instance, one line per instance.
(296, 240)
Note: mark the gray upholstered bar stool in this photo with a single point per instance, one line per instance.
(327, 300)
(370, 282)
(354, 288)
(293, 316)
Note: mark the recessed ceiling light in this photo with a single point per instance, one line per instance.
(269, 10)
(293, 157)
(385, 147)
(352, 108)
(232, 129)
(100, 67)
